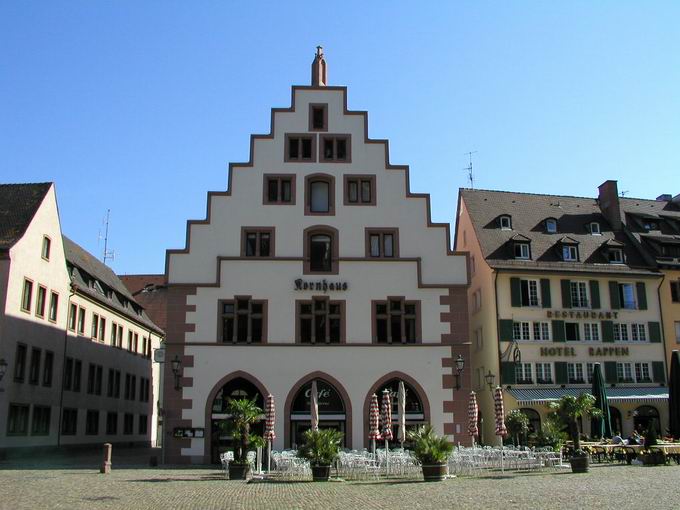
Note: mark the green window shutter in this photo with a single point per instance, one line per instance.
(507, 372)
(610, 372)
(594, 294)
(658, 372)
(558, 331)
(614, 295)
(505, 330)
(641, 295)
(654, 332)
(607, 331)
(515, 292)
(545, 293)
(561, 376)
(566, 293)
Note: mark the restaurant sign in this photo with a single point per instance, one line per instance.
(592, 351)
(320, 285)
(581, 314)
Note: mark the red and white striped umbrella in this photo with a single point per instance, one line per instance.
(270, 419)
(387, 416)
(473, 415)
(374, 419)
(499, 412)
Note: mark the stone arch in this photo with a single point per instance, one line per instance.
(333, 382)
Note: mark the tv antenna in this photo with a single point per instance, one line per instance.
(468, 169)
(107, 254)
(623, 193)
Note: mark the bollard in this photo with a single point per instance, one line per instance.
(106, 462)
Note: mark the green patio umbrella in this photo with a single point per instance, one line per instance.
(674, 395)
(600, 427)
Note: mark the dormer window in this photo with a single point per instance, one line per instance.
(650, 225)
(595, 228)
(522, 251)
(615, 255)
(570, 253)
(505, 222)
(551, 226)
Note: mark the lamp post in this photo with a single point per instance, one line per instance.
(460, 365)
(176, 368)
(490, 379)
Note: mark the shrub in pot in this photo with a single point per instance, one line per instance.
(321, 448)
(651, 457)
(517, 424)
(569, 409)
(432, 451)
(244, 413)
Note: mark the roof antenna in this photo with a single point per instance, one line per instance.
(468, 169)
(107, 254)
(623, 193)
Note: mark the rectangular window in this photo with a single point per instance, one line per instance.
(17, 420)
(98, 380)
(300, 148)
(126, 394)
(68, 374)
(397, 321)
(627, 296)
(120, 337)
(133, 386)
(69, 422)
(81, 321)
(589, 372)
(541, 331)
(46, 247)
(72, 313)
(642, 372)
(638, 333)
(54, 306)
(523, 373)
(677, 332)
(279, 189)
(40, 300)
(116, 385)
(624, 372)
(20, 363)
(575, 373)
(243, 321)
(544, 373)
(143, 424)
(95, 325)
(359, 189)
(621, 332)
(591, 332)
(572, 331)
(114, 330)
(27, 296)
(335, 148)
(520, 331)
(40, 425)
(128, 424)
(48, 368)
(135, 345)
(92, 423)
(320, 321)
(34, 369)
(382, 243)
(579, 294)
(77, 374)
(522, 251)
(91, 373)
(570, 253)
(675, 291)
(109, 383)
(102, 329)
(257, 241)
(529, 292)
(615, 255)
(111, 423)
(318, 117)
(129, 346)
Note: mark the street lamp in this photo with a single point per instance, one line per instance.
(176, 367)
(460, 365)
(490, 379)
(3, 368)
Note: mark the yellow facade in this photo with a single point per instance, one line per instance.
(670, 311)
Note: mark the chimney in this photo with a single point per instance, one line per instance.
(319, 69)
(609, 203)
(664, 198)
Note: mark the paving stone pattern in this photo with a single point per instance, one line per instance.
(617, 487)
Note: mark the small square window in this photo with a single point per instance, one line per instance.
(359, 190)
(279, 189)
(615, 256)
(257, 242)
(551, 226)
(318, 117)
(569, 253)
(522, 251)
(335, 149)
(382, 243)
(300, 148)
(595, 228)
(505, 222)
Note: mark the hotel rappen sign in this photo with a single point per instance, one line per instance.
(592, 351)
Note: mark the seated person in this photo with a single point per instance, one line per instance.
(617, 439)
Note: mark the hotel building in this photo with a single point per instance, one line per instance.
(317, 263)
(75, 346)
(555, 288)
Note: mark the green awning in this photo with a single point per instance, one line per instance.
(528, 396)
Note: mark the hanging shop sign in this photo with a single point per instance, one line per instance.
(319, 285)
(581, 314)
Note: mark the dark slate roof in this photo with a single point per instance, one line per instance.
(529, 212)
(18, 205)
(98, 281)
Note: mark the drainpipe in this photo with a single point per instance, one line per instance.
(663, 335)
(74, 288)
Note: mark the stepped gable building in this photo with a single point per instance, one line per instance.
(74, 345)
(556, 288)
(317, 264)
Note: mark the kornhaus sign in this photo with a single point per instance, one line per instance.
(319, 285)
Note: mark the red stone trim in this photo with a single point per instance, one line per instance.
(335, 246)
(359, 177)
(330, 180)
(265, 188)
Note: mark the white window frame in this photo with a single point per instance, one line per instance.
(524, 373)
(618, 259)
(677, 332)
(533, 287)
(505, 222)
(544, 369)
(624, 372)
(642, 372)
(591, 332)
(551, 226)
(628, 305)
(525, 252)
(582, 294)
(638, 333)
(575, 373)
(521, 331)
(570, 253)
(541, 331)
(595, 228)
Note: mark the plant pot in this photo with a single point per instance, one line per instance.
(238, 471)
(579, 464)
(653, 458)
(434, 472)
(321, 473)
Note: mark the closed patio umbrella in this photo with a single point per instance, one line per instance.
(374, 422)
(401, 402)
(674, 396)
(499, 412)
(269, 434)
(473, 416)
(387, 425)
(314, 407)
(601, 427)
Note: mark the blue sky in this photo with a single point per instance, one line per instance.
(139, 106)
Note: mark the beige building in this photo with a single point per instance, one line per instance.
(76, 346)
(556, 288)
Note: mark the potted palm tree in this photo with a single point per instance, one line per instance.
(569, 409)
(321, 448)
(244, 413)
(432, 451)
(517, 424)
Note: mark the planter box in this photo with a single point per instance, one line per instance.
(434, 472)
(654, 458)
(238, 471)
(321, 473)
(579, 464)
